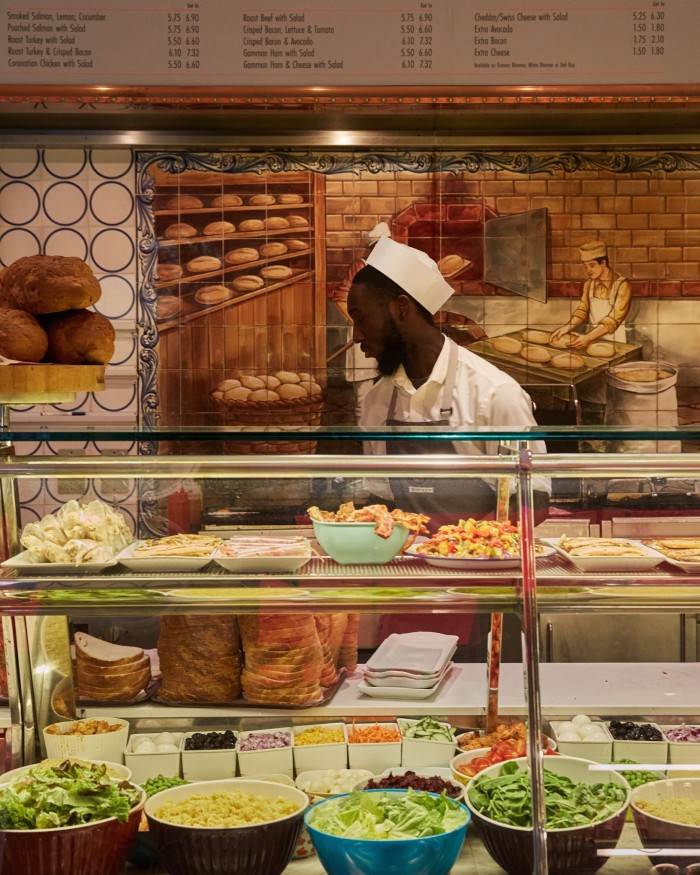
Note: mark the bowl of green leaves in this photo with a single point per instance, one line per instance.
(585, 812)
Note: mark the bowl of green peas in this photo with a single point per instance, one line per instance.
(144, 853)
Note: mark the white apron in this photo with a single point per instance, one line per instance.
(598, 309)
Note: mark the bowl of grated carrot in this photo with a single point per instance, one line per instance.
(374, 746)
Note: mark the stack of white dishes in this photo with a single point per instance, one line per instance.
(409, 666)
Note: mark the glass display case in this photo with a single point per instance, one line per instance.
(500, 672)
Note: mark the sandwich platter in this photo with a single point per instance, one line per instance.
(23, 564)
(606, 554)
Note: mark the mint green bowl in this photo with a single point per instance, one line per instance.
(358, 543)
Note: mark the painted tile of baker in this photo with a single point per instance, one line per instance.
(604, 304)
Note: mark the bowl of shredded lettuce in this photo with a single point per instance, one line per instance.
(585, 812)
(70, 819)
(388, 831)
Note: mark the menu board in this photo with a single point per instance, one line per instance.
(319, 43)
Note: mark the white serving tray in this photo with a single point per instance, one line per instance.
(397, 692)
(261, 564)
(649, 560)
(476, 564)
(161, 563)
(22, 564)
(410, 683)
(419, 652)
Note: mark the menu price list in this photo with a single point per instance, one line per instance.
(393, 42)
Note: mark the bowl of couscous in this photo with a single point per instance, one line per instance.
(667, 815)
(243, 827)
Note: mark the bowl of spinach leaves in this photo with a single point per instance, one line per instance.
(585, 812)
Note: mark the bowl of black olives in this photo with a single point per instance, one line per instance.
(208, 756)
(641, 742)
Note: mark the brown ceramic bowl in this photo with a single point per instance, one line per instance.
(258, 849)
(660, 832)
(99, 847)
(569, 851)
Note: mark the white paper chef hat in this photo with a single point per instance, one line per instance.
(594, 249)
(413, 270)
(381, 229)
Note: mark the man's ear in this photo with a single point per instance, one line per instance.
(401, 308)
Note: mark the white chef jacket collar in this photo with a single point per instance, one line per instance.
(438, 374)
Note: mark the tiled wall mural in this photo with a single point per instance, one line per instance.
(78, 202)
(507, 227)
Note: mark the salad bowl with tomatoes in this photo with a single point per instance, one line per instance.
(466, 765)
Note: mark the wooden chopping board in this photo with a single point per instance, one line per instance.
(48, 383)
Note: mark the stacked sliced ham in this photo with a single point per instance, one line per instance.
(109, 672)
(200, 658)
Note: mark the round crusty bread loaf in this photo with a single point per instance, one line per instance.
(290, 199)
(203, 263)
(250, 381)
(450, 264)
(213, 294)
(602, 349)
(534, 335)
(262, 200)
(167, 306)
(508, 345)
(297, 221)
(269, 250)
(563, 342)
(230, 383)
(568, 361)
(214, 228)
(79, 337)
(48, 284)
(291, 390)
(241, 255)
(535, 354)
(276, 223)
(251, 225)
(276, 272)
(179, 230)
(248, 283)
(184, 202)
(263, 395)
(288, 377)
(227, 200)
(296, 245)
(168, 272)
(21, 336)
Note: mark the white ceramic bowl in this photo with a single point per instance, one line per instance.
(588, 749)
(419, 752)
(333, 755)
(374, 756)
(306, 780)
(116, 770)
(108, 746)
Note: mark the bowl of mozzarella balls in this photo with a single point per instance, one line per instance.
(582, 737)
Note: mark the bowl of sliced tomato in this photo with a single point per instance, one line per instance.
(466, 765)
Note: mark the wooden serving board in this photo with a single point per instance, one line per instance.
(48, 383)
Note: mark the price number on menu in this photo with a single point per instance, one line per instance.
(416, 40)
(648, 32)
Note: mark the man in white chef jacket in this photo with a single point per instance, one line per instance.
(427, 379)
(601, 313)
(360, 370)
(604, 304)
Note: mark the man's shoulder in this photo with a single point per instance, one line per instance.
(481, 369)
